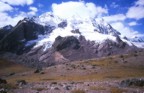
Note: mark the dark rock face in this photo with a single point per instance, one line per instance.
(64, 49)
(5, 30)
(106, 30)
(109, 47)
(132, 82)
(66, 42)
(67, 49)
(62, 24)
(113, 31)
(77, 49)
(24, 31)
(76, 31)
(48, 29)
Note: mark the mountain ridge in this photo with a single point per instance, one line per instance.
(48, 40)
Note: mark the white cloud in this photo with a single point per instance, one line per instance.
(140, 2)
(5, 19)
(132, 23)
(125, 30)
(113, 18)
(5, 7)
(33, 11)
(78, 9)
(18, 2)
(136, 11)
(118, 20)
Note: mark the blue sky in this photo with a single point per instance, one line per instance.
(126, 16)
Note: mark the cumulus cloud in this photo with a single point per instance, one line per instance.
(125, 30)
(136, 11)
(5, 7)
(118, 21)
(33, 11)
(77, 9)
(5, 19)
(18, 2)
(113, 18)
(140, 2)
(132, 23)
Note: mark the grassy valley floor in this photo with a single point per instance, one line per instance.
(89, 76)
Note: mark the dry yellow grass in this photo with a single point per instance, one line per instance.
(10, 67)
(117, 90)
(8, 86)
(39, 89)
(97, 88)
(109, 69)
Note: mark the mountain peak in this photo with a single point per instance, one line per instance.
(49, 38)
(48, 26)
(93, 29)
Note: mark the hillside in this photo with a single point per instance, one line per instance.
(87, 76)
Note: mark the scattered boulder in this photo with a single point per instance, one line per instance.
(68, 87)
(132, 82)
(37, 71)
(54, 83)
(56, 88)
(3, 81)
(11, 74)
(42, 72)
(21, 82)
(3, 90)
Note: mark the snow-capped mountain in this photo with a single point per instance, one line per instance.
(92, 29)
(137, 39)
(49, 39)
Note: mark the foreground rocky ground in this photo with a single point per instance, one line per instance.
(114, 74)
(77, 87)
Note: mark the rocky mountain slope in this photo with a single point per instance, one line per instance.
(48, 40)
